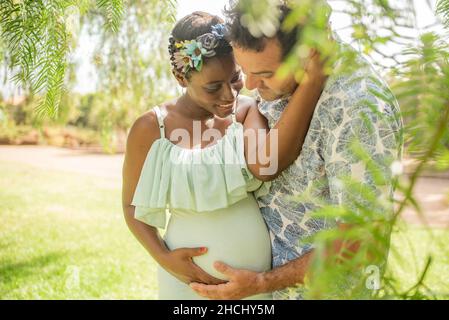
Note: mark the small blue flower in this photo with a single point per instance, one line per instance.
(219, 30)
(195, 51)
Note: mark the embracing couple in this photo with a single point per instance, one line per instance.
(229, 169)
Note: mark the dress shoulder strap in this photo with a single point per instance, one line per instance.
(234, 119)
(160, 120)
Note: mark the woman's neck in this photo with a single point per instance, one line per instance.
(188, 108)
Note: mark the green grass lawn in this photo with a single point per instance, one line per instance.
(63, 236)
(410, 250)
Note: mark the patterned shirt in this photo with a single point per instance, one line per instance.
(346, 103)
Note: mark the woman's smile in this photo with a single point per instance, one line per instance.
(225, 107)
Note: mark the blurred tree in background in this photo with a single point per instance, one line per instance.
(38, 39)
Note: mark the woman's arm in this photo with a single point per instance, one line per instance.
(268, 155)
(140, 138)
(178, 262)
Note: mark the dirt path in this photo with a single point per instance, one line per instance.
(432, 192)
(68, 160)
(433, 197)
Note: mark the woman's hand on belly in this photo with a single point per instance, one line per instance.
(180, 264)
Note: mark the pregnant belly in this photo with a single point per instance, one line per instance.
(236, 235)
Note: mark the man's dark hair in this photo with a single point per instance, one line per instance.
(241, 36)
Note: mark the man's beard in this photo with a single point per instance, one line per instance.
(274, 96)
(271, 95)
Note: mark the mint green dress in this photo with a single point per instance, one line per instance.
(208, 194)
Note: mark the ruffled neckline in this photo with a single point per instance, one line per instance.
(207, 148)
(200, 180)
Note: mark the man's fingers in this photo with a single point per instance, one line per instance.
(213, 281)
(205, 290)
(198, 288)
(207, 278)
(224, 268)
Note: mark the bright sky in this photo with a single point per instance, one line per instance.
(425, 15)
(211, 6)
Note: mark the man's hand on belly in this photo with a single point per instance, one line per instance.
(245, 283)
(242, 283)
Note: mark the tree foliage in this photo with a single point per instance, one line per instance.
(38, 37)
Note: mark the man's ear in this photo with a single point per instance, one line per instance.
(180, 78)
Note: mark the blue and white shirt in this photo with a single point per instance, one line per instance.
(346, 103)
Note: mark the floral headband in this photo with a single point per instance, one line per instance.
(189, 54)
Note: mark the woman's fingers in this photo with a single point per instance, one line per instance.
(194, 272)
(193, 252)
(206, 278)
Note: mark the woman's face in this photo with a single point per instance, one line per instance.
(216, 86)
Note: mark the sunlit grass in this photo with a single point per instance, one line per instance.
(57, 228)
(411, 249)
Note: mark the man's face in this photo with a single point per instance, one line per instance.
(260, 69)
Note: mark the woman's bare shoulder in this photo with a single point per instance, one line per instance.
(144, 131)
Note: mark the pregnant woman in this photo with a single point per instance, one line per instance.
(190, 157)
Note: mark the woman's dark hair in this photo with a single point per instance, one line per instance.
(241, 36)
(191, 27)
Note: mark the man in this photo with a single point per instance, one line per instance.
(346, 101)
